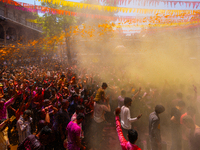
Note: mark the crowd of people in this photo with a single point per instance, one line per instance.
(54, 107)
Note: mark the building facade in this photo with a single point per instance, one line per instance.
(14, 26)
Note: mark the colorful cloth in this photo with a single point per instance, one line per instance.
(3, 112)
(126, 145)
(73, 130)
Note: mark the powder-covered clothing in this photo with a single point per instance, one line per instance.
(99, 111)
(62, 118)
(126, 145)
(177, 114)
(100, 94)
(126, 119)
(24, 128)
(74, 118)
(3, 141)
(3, 112)
(73, 130)
(154, 126)
(31, 143)
(195, 140)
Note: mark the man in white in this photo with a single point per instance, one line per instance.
(126, 119)
(121, 98)
(24, 125)
(99, 120)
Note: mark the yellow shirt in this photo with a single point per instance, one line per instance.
(99, 95)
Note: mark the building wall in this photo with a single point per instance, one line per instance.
(15, 27)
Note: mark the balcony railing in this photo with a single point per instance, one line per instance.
(21, 20)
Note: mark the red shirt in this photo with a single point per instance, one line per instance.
(126, 145)
(40, 99)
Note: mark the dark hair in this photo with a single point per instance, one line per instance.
(181, 103)
(59, 105)
(27, 112)
(123, 92)
(45, 130)
(80, 107)
(41, 124)
(104, 85)
(62, 76)
(75, 95)
(132, 136)
(80, 116)
(64, 101)
(159, 109)
(127, 100)
(187, 118)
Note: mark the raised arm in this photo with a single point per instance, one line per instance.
(131, 119)
(136, 94)
(122, 140)
(11, 100)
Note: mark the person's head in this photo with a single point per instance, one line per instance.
(123, 93)
(65, 104)
(104, 85)
(80, 117)
(26, 114)
(75, 97)
(77, 90)
(179, 95)
(44, 135)
(159, 109)
(191, 111)
(66, 90)
(80, 109)
(181, 105)
(39, 90)
(62, 76)
(47, 102)
(188, 122)
(41, 124)
(127, 101)
(2, 101)
(132, 136)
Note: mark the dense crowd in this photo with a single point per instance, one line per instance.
(54, 107)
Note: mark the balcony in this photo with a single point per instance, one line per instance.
(20, 20)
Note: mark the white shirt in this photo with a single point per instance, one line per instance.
(120, 101)
(126, 119)
(24, 128)
(99, 110)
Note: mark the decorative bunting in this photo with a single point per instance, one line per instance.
(154, 3)
(121, 9)
(151, 21)
(127, 19)
(122, 20)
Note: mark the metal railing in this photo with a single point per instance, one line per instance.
(21, 20)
